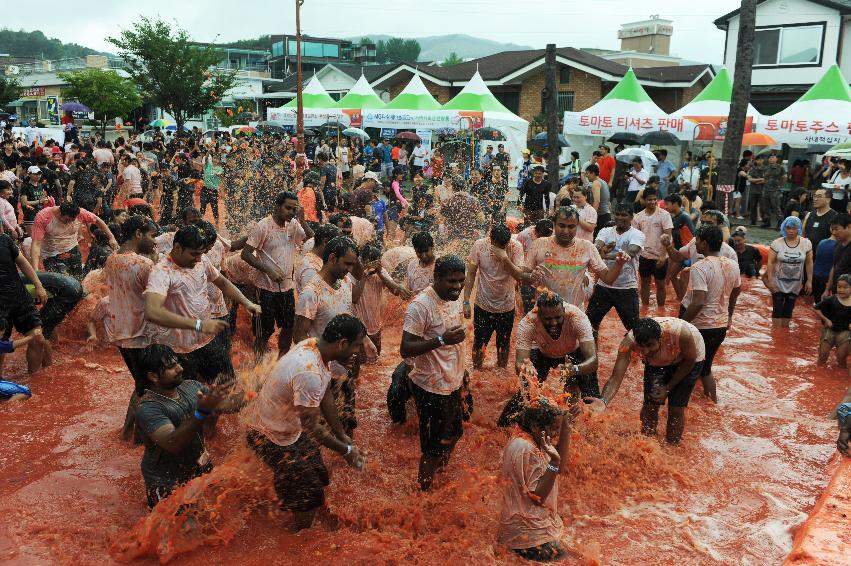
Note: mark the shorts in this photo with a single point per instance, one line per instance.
(67, 292)
(18, 313)
(441, 419)
(68, 263)
(624, 301)
(679, 396)
(647, 267)
(712, 339)
(209, 362)
(300, 475)
(835, 338)
(276, 308)
(133, 358)
(398, 393)
(485, 323)
(547, 552)
(782, 305)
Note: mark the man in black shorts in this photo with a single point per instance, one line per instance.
(653, 221)
(433, 339)
(622, 295)
(16, 305)
(673, 353)
(271, 249)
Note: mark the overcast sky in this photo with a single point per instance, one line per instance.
(593, 23)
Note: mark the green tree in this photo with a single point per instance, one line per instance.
(107, 93)
(397, 50)
(36, 44)
(10, 89)
(451, 59)
(173, 73)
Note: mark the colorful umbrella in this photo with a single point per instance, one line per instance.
(758, 138)
(75, 107)
(408, 136)
(245, 130)
(160, 123)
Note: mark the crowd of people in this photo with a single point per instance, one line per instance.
(309, 243)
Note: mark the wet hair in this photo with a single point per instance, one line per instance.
(142, 209)
(582, 190)
(566, 212)
(846, 277)
(324, 233)
(136, 222)
(566, 201)
(716, 215)
(646, 330)
(650, 192)
(842, 220)
(674, 198)
(448, 264)
(285, 196)
(549, 299)
(398, 170)
(5, 185)
(343, 327)
(542, 415)
(155, 359)
(190, 237)
(544, 227)
(422, 241)
(653, 179)
(712, 235)
(69, 209)
(116, 212)
(500, 234)
(187, 211)
(340, 217)
(458, 184)
(370, 252)
(338, 247)
(210, 234)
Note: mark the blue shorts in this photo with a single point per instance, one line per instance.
(842, 412)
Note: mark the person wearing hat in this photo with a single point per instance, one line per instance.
(33, 197)
(362, 196)
(524, 163)
(637, 177)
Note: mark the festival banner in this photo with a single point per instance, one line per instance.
(53, 109)
(705, 127)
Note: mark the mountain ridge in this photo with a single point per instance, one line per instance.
(438, 47)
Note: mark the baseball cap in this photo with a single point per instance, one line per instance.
(33, 169)
(525, 151)
(740, 230)
(55, 150)
(371, 175)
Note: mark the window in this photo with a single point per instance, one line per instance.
(510, 100)
(565, 102)
(277, 49)
(315, 49)
(564, 74)
(788, 45)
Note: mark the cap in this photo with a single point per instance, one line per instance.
(371, 175)
(55, 150)
(525, 151)
(33, 169)
(740, 230)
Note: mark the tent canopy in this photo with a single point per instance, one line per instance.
(314, 95)
(705, 117)
(361, 95)
(476, 96)
(415, 96)
(819, 116)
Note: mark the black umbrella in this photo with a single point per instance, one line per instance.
(309, 132)
(626, 138)
(490, 134)
(327, 126)
(541, 140)
(658, 137)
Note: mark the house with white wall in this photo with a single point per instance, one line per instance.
(795, 42)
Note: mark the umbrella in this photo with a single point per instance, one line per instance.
(173, 128)
(541, 139)
(842, 150)
(818, 148)
(246, 130)
(355, 133)
(270, 128)
(331, 126)
(160, 123)
(491, 134)
(75, 107)
(658, 138)
(408, 136)
(626, 138)
(647, 157)
(758, 138)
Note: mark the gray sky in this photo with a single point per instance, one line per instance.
(527, 22)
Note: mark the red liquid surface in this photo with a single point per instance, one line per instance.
(745, 476)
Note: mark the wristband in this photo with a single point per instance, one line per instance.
(553, 469)
(441, 340)
(348, 450)
(197, 325)
(199, 415)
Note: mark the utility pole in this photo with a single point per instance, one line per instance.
(738, 102)
(299, 128)
(551, 97)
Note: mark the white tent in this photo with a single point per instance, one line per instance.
(821, 116)
(705, 117)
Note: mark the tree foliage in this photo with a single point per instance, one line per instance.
(36, 44)
(107, 93)
(10, 89)
(451, 59)
(261, 43)
(173, 73)
(397, 50)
